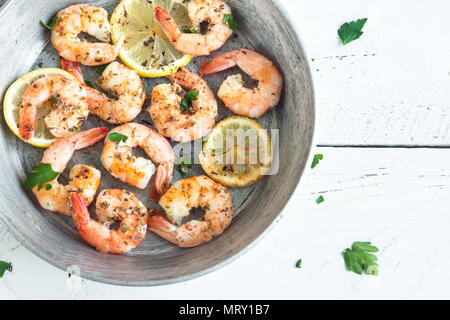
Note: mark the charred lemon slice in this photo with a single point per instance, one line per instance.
(147, 50)
(237, 153)
(11, 106)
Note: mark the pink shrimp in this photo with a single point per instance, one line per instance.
(243, 101)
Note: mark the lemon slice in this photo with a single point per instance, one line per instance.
(147, 49)
(11, 106)
(237, 153)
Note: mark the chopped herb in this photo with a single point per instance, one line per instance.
(3, 267)
(299, 264)
(229, 19)
(184, 165)
(316, 160)
(351, 31)
(358, 258)
(42, 174)
(190, 96)
(101, 68)
(320, 199)
(191, 30)
(88, 83)
(313, 59)
(117, 137)
(51, 25)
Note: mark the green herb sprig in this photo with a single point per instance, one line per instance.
(4, 266)
(190, 96)
(351, 31)
(320, 199)
(117, 137)
(229, 19)
(299, 264)
(51, 25)
(184, 165)
(99, 69)
(316, 160)
(41, 175)
(359, 258)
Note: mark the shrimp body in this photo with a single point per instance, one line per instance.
(118, 159)
(127, 89)
(166, 112)
(112, 205)
(89, 19)
(177, 202)
(123, 84)
(63, 120)
(196, 44)
(83, 179)
(255, 102)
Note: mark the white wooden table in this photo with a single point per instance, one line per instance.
(383, 127)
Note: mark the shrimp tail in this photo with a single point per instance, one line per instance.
(162, 179)
(87, 138)
(80, 213)
(162, 226)
(73, 68)
(167, 24)
(27, 122)
(219, 63)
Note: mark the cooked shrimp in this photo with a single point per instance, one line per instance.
(118, 159)
(196, 44)
(166, 112)
(69, 113)
(177, 202)
(253, 103)
(112, 205)
(122, 83)
(83, 178)
(89, 19)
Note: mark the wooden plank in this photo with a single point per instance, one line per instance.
(396, 198)
(390, 87)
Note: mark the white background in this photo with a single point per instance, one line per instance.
(383, 127)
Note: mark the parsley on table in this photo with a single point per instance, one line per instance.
(3, 267)
(229, 19)
(99, 69)
(316, 160)
(184, 165)
(320, 199)
(299, 264)
(42, 174)
(117, 137)
(351, 31)
(359, 258)
(51, 25)
(190, 96)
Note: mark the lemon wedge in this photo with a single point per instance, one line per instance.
(11, 106)
(237, 153)
(147, 50)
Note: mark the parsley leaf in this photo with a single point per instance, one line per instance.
(88, 83)
(316, 160)
(99, 69)
(351, 31)
(320, 199)
(117, 137)
(229, 19)
(42, 174)
(358, 258)
(3, 267)
(184, 165)
(299, 264)
(51, 25)
(190, 96)
(191, 30)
